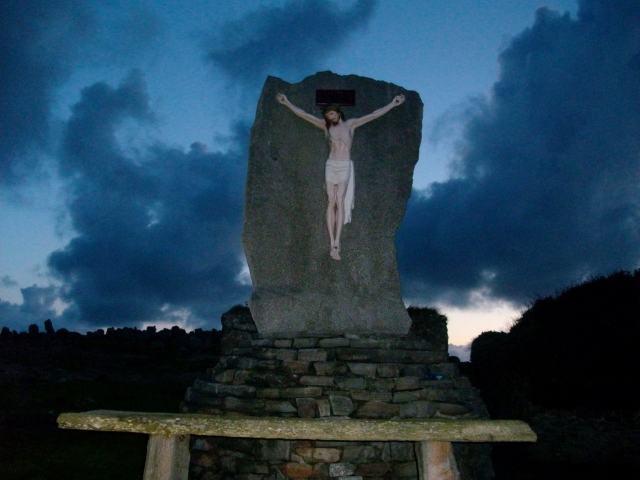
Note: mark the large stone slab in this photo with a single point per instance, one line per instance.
(438, 430)
(297, 286)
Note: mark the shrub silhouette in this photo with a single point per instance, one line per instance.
(574, 350)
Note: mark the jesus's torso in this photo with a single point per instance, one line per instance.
(340, 138)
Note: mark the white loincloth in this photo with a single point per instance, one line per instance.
(339, 171)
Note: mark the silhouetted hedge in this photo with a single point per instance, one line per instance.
(576, 350)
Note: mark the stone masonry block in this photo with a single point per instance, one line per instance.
(312, 355)
(415, 370)
(242, 445)
(359, 454)
(305, 342)
(402, 451)
(286, 354)
(357, 354)
(326, 455)
(247, 363)
(379, 469)
(241, 376)
(334, 342)
(363, 369)
(330, 368)
(281, 406)
(265, 353)
(243, 405)
(273, 450)
(341, 469)
(407, 383)
(313, 380)
(273, 380)
(305, 454)
(382, 384)
(341, 405)
(371, 396)
(451, 409)
(407, 469)
(222, 389)
(324, 408)
(378, 410)
(225, 376)
(299, 392)
(298, 470)
(306, 407)
(268, 393)
(368, 343)
(228, 464)
(300, 368)
(417, 409)
(389, 370)
(351, 383)
(403, 397)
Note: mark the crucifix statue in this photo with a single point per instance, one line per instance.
(339, 171)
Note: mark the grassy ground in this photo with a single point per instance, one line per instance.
(510, 463)
(33, 447)
(42, 377)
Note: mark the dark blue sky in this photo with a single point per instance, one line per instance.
(123, 140)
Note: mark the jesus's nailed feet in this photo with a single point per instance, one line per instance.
(335, 253)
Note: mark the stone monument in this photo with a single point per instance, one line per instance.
(327, 335)
(298, 288)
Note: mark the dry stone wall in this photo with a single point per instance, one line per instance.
(346, 376)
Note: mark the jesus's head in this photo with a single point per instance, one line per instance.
(332, 115)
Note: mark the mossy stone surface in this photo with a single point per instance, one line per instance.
(301, 428)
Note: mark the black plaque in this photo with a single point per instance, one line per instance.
(345, 98)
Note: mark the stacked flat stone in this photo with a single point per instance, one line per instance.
(362, 376)
(350, 375)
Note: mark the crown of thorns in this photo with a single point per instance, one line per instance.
(331, 108)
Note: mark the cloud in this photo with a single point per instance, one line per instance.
(42, 44)
(38, 41)
(37, 306)
(158, 229)
(8, 282)
(293, 39)
(546, 184)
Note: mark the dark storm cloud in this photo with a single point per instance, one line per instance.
(38, 40)
(42, 42)
(156, 232)
(547, 180)
(37, 306)
(291, 39)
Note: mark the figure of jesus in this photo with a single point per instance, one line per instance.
(339, 174)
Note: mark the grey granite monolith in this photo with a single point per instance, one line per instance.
(297, 287)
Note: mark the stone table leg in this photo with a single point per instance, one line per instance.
(167, 458)
(436, 461)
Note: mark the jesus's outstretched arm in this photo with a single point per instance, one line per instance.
(301, 113)
(356, 122)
